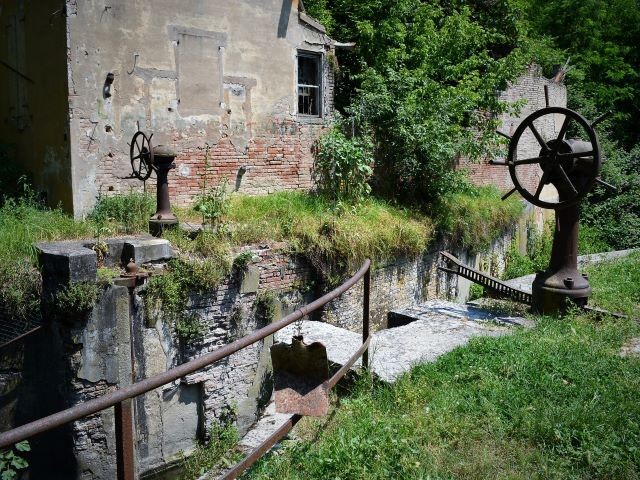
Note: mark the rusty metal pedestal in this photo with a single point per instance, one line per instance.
(562, 281)
(163, 159)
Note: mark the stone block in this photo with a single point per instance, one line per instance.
(250, 281)
(115, 246)
(106, 354)
(62, 263)
(146, 250)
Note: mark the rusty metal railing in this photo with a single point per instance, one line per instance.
(121, 399)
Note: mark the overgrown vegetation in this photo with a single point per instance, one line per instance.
(421, 78)
(423, 75)
(24, 222)
(343, 165)
(12, 462)
(217, 452)
(122, 213)
(536, 258)
(475, 217)
(265, 307)
(213, 204)
(555, 401)
(167, 295)
(74, 300)
(600, 38)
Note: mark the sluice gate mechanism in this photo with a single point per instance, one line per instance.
(146, 159)
(568, 170)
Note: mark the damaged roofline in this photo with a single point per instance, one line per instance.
(312, 22)
(308, 19)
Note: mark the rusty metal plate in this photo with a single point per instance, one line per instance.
(300, 371)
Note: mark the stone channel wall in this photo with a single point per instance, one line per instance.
(118, 342)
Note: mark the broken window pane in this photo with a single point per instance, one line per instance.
(309, 84)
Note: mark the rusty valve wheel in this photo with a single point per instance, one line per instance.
(141, 154)
(570, 165)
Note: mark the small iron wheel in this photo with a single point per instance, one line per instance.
(141, 154)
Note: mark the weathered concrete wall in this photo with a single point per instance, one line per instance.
(33, 103)
(119, 342)
(529, 88)
(221, 74)
(408, 281)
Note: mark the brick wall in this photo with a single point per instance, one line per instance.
(530, 88)
(281, 158)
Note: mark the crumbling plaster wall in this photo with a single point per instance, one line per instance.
(221, 74)
(33, 93)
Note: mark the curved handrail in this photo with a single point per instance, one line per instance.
(130, 391)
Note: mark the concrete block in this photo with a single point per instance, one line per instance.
(62, 263)
(115, 246)
(250, 281)
(106, 354)
(146, 250)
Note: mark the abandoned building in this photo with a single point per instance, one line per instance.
(239, 89)
(250, 79)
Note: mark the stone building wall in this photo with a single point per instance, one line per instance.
(222, 74)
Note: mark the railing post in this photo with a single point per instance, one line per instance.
(125, 455)
(365, 315)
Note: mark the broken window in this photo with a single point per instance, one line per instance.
(309, 84)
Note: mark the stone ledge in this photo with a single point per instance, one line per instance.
(66, 262)
(146, 250)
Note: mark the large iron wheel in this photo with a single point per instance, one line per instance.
(571, 171)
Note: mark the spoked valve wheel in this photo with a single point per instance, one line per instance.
(141, 154)
(570, 165)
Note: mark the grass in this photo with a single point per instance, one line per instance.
(475, 217)
(217, 452)
(22, 224)
(336, 238)
(556, 401)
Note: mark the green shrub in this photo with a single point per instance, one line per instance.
(615, 216)
(20, 288)
(241, 263)
(190, 328)
(218, 452)
(167, 295)
(213, 204)
(122, 213)
(265, 307)
(475, 292)
(343, 166)
(591, 240)
(536, 258)
(11, 461)
(75, 300)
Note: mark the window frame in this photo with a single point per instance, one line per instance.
(318, 57)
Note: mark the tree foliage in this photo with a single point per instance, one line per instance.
(423, 74)
(422, 77)
(601, 38)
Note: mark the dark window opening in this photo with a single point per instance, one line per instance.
(309, 84)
